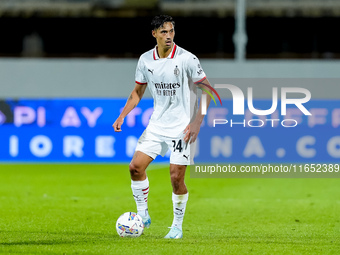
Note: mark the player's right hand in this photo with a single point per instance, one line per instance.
(117, 124)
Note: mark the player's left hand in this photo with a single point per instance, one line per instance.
(191, 132)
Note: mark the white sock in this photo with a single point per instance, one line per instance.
(179, 204)
(140, 191)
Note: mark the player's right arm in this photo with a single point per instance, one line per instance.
(133, 100)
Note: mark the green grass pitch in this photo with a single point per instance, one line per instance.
(72, 209)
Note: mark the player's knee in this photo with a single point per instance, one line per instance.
(178, 184)
(176, 179)
(135, 170)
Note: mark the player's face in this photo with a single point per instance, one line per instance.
(164, 35)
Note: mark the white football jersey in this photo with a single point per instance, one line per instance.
(171, 83)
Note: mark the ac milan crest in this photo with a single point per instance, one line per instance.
(176, 71)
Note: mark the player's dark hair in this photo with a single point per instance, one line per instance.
(159, 21)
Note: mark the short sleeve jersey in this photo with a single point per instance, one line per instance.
(171, 82)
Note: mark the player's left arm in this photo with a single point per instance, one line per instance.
(192, 130)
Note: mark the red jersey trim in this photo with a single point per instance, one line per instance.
(156, 52)
(200, 80)
(173, 52)
(141, 83)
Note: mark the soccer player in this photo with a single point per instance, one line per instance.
(172, 75)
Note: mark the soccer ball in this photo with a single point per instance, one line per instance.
(129, 224)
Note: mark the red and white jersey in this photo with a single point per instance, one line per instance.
(171, 83)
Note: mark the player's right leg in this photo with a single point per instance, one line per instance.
(138, 165)
(140, 184)
(149, 146)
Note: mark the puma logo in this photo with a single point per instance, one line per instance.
(187, 157)
(151, 71)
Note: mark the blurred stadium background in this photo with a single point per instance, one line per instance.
(66, 69)
(276, 29)
(81, 49)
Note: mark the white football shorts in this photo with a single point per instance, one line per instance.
(154, 144)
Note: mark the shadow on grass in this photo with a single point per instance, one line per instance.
(52, 238)
(38, 242)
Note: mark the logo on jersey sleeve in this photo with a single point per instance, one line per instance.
(200, 70)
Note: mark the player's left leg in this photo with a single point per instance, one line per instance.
(179, 199)
(177, 174)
